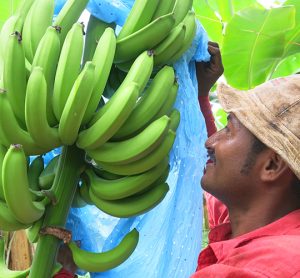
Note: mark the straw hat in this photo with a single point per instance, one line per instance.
(271, 111)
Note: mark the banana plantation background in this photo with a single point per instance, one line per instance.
(258, 42)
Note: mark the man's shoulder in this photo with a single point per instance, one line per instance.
(284, 242)
(268, 255)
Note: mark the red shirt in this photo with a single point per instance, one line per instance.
(270, 251)
(64, 274)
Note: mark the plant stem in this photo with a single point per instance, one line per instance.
(70, 166)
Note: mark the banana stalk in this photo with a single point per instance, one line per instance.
(70, 166)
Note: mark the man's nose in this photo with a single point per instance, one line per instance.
(209, 143)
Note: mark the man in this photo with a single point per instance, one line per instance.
(254, 170)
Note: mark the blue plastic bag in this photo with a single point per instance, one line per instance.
(107, 10)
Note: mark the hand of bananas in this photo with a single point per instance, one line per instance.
(114, 105)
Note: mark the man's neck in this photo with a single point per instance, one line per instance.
(243, 222)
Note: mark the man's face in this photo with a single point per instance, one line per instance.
(230, 174)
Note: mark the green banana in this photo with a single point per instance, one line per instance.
(140, 70)
(125, 186)
(103, 59)
(5, 272)
(134, 148)
(149, 104)
(36, 22)
(46, 57)
(16, 187)
(1, 75)
(104, 174)
(94, 30)
(68, 15)
(113, 81)
(26, 32)
(68, 68)
(139, 73)
(145, 163)
(170, 45)
(12, 133)
(78, 201)
(14, 75)
(102, 130)
(35, 169)
(32, 232)
(27, 68)
(84, 192)
(139, 16)
(168, 104)
(36, 111)
(175, 119)
(125, 66)
(121, 75)
(133, 205)
(2, 154)
(76, 105)
(99, 262)
(3, 137)
(24, 8)
(164, 7)
(11, 25)
(47, 176)
(161, 179)
(8, 221)
(180, 10)
(191, 27)
(143, 39)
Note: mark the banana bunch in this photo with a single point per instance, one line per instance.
(167, 27)
(107, 100)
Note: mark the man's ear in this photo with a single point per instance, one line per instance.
(274, 167)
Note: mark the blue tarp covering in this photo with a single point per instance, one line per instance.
(170, 234)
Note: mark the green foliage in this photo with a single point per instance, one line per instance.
(257, 43)
(8, 7)
(254, 41)
(210, 21)
(289, 65)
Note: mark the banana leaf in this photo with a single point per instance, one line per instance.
(227, 8)
(292, 44)
(213, 13)
(287, 66)
(211, 23)
(254, 41)
(293, 36)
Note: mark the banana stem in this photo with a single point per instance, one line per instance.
(70, 166)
